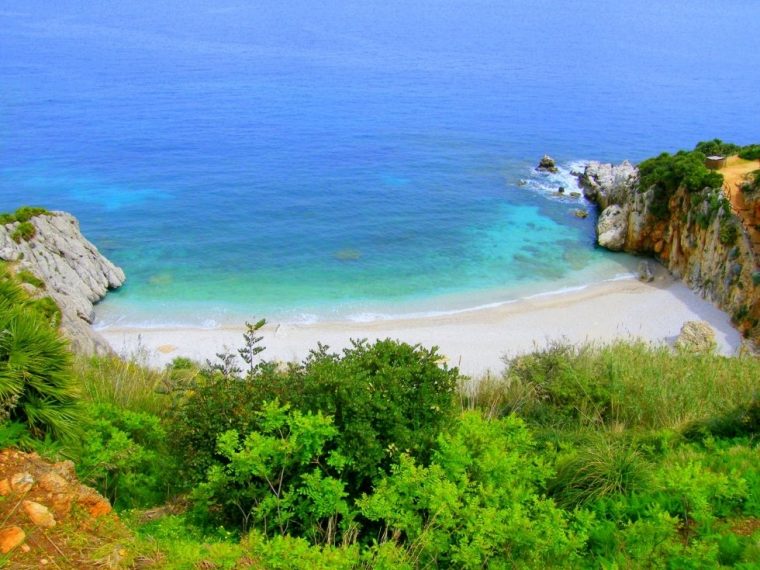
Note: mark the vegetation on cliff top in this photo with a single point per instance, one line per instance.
(22, 214)
(666, 173)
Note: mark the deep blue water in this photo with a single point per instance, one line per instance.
(316, 159)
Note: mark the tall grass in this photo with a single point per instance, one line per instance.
(629, 384)
(125, 383)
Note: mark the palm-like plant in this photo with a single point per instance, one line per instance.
(36, 382)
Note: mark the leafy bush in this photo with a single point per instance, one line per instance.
(278, 478)
(729, 231)
(125, 455)
(478, 503)
(212, 404)
(25, 231)
(750, 152)
(752, 183)
(386, 398)
(717, 147)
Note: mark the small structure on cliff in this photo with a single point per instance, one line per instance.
(715, 162)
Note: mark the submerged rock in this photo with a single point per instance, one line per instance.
(580, 213)
(696, 336)
(75, 274)
(547, 164)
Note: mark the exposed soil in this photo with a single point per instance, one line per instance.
(734, 174)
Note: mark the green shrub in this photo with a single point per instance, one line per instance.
(478, 504)
(750, 152)
(386, 398)
(125, 455)
(25, 231)
(751, 185)
(743, 420)
(717, 147)
(603, 468)
(279, 479)
(23, 214)
(212, 404)
(729, 231)
(36, 381)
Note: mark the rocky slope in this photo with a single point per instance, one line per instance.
(700, 241)
(72, 269)
(49, 519)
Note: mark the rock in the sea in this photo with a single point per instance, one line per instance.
(696, 336)
(580, 213)
(645, 272)
(612, 228)
(74, 272)
(547, 164)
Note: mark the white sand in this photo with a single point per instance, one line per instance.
(476, 340)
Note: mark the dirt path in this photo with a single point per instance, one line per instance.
(734, 173)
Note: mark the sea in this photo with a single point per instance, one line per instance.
(303, 161)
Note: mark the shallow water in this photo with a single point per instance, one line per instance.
(301, 161)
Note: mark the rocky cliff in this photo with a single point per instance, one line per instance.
(73, 272)
(700, 240)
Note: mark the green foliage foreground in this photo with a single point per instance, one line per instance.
(621, 456)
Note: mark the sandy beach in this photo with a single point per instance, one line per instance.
(476, 341)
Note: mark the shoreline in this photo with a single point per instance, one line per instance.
(475, 340)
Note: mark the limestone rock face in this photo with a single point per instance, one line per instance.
(689, 241)
(608, 184)
(612, 228)
(75, 273)
(696, 336)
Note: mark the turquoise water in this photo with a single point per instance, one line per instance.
(306, 161)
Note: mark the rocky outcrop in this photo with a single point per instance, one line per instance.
(72, 269)
(697, 337)
(612, 228)
(547, 164)
(606, 184)
(700, 240)
(645, 272)
(49, 518)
